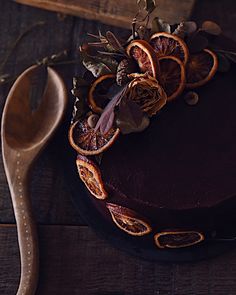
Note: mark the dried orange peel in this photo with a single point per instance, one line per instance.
(93, 99)
(88, 141)
(178, 239)
(91, 176)
(173, 77)
(145, 56)
(166, 44)
(201, 68)
(128, 220)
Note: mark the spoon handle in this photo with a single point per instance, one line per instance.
(17, 177)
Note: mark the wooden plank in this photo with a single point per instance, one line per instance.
(113, 12)
(75, 261)
(50, 194)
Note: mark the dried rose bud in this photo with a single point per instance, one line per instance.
(125, 67)
(147, 93)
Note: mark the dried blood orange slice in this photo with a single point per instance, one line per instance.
(97, 96)
(145, 56)
(166, 44)
(87, 141)
(178, 239)
(128, 220)
(201, 68)
(90, 174)
(172, 76)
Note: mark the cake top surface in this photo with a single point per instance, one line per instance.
(186, 158)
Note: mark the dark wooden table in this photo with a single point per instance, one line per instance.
(73, 260)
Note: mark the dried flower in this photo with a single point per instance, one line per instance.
(147, 93)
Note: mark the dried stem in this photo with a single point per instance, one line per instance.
(16, 42)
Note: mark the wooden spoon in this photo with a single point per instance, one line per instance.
(24, 134)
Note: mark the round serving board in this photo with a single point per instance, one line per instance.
(138, 246)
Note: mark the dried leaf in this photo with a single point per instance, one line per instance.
(99, 65)
(125, 67)
(185, 28)
(38, 82)
(114, 42)
(130, 118)
(150, 5)
(108, 61)
(80, 92)
(158, 25)
(211, 28)
(107, 118)
(223, 63)
(197, 43)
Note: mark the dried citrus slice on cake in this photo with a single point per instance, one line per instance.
(91, 176)
(88, 141)
(172, 76)
(201, 68)
(128, 220)
(166, 44)
(97, 96)
(145, 56)
(178, 239)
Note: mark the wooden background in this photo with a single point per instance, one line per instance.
(73, 260)
(118, 13)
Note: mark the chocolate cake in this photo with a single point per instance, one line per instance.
(181, 171)
(176, 179)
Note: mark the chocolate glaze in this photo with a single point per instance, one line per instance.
(181, 171)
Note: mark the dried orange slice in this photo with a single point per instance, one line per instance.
(172, 76)
(86, 141)
(97, 96)
(178, 239)
(145, 56)
(128, 220)
(201, 68)
(90, 174)
(166, 44)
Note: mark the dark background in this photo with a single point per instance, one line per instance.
(73, 259)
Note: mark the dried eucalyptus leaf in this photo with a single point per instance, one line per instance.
(38, 83)
(190, 27)
(223, 63)
(185, 28)
(99, 65)
(125, 67)
(197, 43)
(150, 5)
(158, 25)
(108, 61)
(130, 118)
(211, 28)
(80, 91)
(107, 117)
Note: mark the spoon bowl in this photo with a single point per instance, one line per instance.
(24, 133)
(25, 129)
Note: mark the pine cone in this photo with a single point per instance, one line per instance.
(125, 67)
